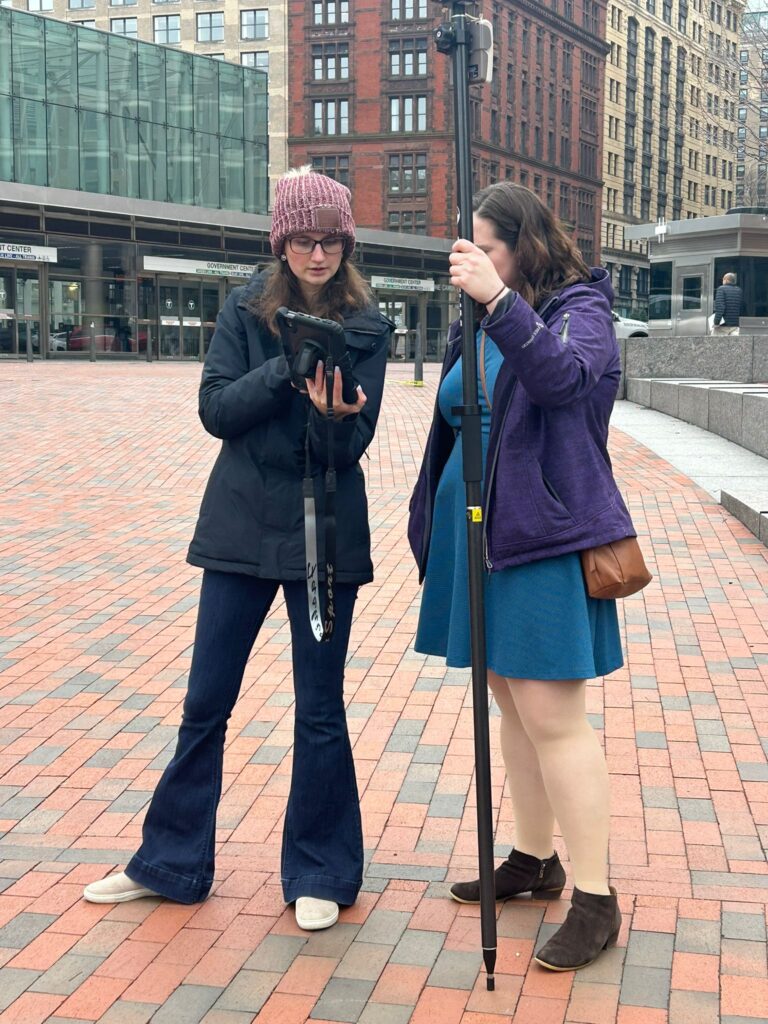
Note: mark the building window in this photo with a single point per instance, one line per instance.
(625, 280)
(81, 5)
(589, 71)
(585, 208)
(330, 117)
(41, 5)
(330, 61)
(407, 10)
(407, 173)
(254, 24)
(122, 3)
(89, 23)
(124, 27)
(412, 222)
(591, 17)
(330, 12)
(588, 160)
(167, 28)
(336, 167)
(589, 116)
(408, 56)
(257, 59)
(495, 128)
(210, 27)
(408, 113)
(565, 202)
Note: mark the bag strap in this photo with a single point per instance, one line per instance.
(482, 369)
(321, 623)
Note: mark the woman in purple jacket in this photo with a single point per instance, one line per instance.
(548, 368)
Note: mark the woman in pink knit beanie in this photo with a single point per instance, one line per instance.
(252, 541)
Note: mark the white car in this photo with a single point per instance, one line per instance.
(626, 328)
(58, 341)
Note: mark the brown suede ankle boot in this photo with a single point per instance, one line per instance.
(592, 925)
(543, 879)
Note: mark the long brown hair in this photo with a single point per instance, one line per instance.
(547, 259)
(347, 290)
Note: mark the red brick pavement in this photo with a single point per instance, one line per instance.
(103, 468)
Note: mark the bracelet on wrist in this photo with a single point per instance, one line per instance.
(498, 294)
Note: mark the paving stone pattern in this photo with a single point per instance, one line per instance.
(103, 469)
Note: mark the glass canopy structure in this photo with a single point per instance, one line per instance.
(96, 112)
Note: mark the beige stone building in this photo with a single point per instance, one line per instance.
(752, 114)
(670, 125)
(251, 32)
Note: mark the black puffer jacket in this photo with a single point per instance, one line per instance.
(728, 305)
(252, 514)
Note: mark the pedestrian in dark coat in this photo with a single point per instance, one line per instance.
(250, 542)
(727, 306)
(549, 371)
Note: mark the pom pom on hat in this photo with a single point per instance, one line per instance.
(308, 201)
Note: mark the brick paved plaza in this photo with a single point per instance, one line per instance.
(102, 471)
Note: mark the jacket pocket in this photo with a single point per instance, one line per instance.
(552, 513)
(524, 509)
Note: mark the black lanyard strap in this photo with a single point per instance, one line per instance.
(321, 624)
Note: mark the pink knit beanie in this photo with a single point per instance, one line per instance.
(307, 201)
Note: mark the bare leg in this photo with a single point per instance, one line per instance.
(573, 770)
(534, 818)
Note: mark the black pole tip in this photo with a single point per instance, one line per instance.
(490, 983)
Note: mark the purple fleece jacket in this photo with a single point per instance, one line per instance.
(548, 486)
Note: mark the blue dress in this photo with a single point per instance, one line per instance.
(540, 621)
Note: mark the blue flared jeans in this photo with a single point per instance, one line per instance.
(322, 854)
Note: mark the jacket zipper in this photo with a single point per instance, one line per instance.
(489, 486)
(564, 328)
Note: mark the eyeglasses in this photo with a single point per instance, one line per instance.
(303, 246)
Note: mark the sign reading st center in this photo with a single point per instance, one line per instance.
(31, 253)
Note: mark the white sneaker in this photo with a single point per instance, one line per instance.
(117, 888)
(312, 914)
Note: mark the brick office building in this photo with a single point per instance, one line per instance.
(371, 103)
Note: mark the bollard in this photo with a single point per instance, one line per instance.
(92, 344)
(418, 361)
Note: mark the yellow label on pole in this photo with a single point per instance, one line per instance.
(475, 514)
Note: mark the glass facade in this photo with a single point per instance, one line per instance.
(116, 116)
(79, 283)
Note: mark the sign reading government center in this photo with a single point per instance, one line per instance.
(207, 268)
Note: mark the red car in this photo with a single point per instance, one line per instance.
(117, 341)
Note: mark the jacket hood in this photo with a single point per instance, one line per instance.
(599, 282)
(255, 285)
(602, 282)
